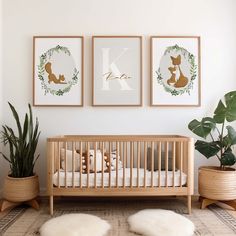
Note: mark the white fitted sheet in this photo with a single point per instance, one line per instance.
(120, 178)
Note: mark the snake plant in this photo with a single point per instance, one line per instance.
(22, 144)
(220, 138)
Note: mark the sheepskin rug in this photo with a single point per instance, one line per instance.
(152, 222)
(75, 225)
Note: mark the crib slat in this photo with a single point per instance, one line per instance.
(124, 163)
(117, 159)
(52, 163)
(131, 163)
(95, 165)
(138, 164)
(88, 163)
(110, 146)
(166, 161)
(173, 164)
(58, 163)
(81, 164)
(103, 154)
(65, 161)
(152, 163)
(159, 164)
(145, 163)
(73, 164)
(181, 162)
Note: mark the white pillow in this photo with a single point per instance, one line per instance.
(99, 160)
(69, 160)
(113, 161)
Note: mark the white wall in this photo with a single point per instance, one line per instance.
(213, 20)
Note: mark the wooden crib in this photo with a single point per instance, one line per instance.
(120, 165)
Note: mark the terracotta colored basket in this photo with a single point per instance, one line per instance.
(21, 189)
(217, 184)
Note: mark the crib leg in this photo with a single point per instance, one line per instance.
(51, 205)
(189, 204)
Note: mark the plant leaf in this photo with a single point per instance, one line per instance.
(202, 128)
(226, 108)
(231, 134)
(228, 158)
(208, 149)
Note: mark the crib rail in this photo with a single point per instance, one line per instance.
(120, 162)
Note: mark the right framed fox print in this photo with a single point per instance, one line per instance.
(175, 71)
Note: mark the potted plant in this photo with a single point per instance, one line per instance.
(217, 183)
(22, 184)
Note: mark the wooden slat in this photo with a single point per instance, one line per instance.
(138, 164)
(124, 163)
(110, 146)
(50, 166)
(103, 154)
(131, 163)
(58, 163)
(73, 164)
(117, 161)
(181, 162)
(152, 163)
(81, 163)
(65, 161)
(95, 164)
(173, 163)
(166, 162)
(190, 167)
(145, 163)
(121, 192)
(88, 163)
(119, 138)
(159, 164)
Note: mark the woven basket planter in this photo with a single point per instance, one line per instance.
(21, 189)
(217, 184)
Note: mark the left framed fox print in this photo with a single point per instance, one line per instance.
(58, 71)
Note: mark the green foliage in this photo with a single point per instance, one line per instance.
(46, 57)
(219, 146)
(22, 146)
(193, 71)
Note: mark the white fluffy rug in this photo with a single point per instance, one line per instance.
(75, 225)
(160, 223)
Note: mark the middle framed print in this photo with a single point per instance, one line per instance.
(117, 70)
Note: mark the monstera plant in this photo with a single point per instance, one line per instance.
(217, 183)
(219, 137)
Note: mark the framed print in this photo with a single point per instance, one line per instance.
(175, 71)
(58, 71)
(117, 70)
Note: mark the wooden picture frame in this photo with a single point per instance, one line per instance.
(175, 71)
(117, 71)
(58, 70)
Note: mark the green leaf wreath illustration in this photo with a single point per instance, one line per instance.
(188, 85)
(44, 62)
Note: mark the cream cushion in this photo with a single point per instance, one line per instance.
(74, 225)
(158, 222)
(68, 155)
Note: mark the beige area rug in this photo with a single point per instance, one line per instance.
(27, 221)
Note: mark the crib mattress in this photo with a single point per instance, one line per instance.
(69, 178)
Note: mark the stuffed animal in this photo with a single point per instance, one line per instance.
(88, 162)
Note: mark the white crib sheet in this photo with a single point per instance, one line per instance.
(120, 178)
